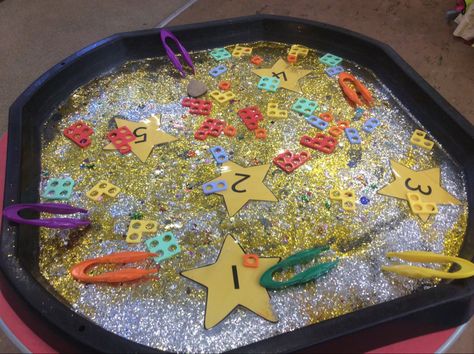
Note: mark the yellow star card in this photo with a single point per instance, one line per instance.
(244, 184)
(426, 183)
(230, 284)
(147, 136)
(287, 73)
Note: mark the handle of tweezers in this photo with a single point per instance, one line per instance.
(12, 213)
(164, 35)
(466, 271)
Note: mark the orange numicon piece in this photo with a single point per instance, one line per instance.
(79, 271)
(250, 260)
(292, 58)
(327, 117)
(343, 124)
(256, 60)
(335, 131)
(230, 130)
(260, 133)
(224, 85)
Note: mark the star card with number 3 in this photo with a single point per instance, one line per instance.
(426, 183)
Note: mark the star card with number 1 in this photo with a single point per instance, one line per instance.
(230, 284)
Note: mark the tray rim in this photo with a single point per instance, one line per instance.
(298, 339)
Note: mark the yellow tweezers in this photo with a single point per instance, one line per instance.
(466, 268)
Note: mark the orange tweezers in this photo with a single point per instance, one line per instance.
(353, 95)
(79, 271)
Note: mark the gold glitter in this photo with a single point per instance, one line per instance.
(167, 188)
(452, 241)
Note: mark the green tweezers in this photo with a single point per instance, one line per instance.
(298, 258)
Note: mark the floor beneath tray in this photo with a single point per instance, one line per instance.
(38, 34)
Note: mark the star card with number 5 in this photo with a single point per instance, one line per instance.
(147, 133)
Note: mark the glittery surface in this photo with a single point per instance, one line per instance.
(168, 313)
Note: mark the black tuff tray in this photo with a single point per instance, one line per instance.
(444, 306)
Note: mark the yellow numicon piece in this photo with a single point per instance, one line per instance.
(274, 112)
(101, 188)
(346, 196)
(419, 207)
(138, 228)
(240, 51)
(418, 139)
(222, 97)
(299, 50)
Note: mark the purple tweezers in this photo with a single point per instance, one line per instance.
(165, 34)
(11, 213)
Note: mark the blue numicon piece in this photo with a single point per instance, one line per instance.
(334, 70)
(370, 125)
(353, 135)
(219, 154)
(214, 187)
(317, 122)
(218, 70)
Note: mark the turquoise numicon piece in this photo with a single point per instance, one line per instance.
(268, 83)
(165, 245)
(220, 54)
(304, 106)
(330, 59)
(58, 188)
